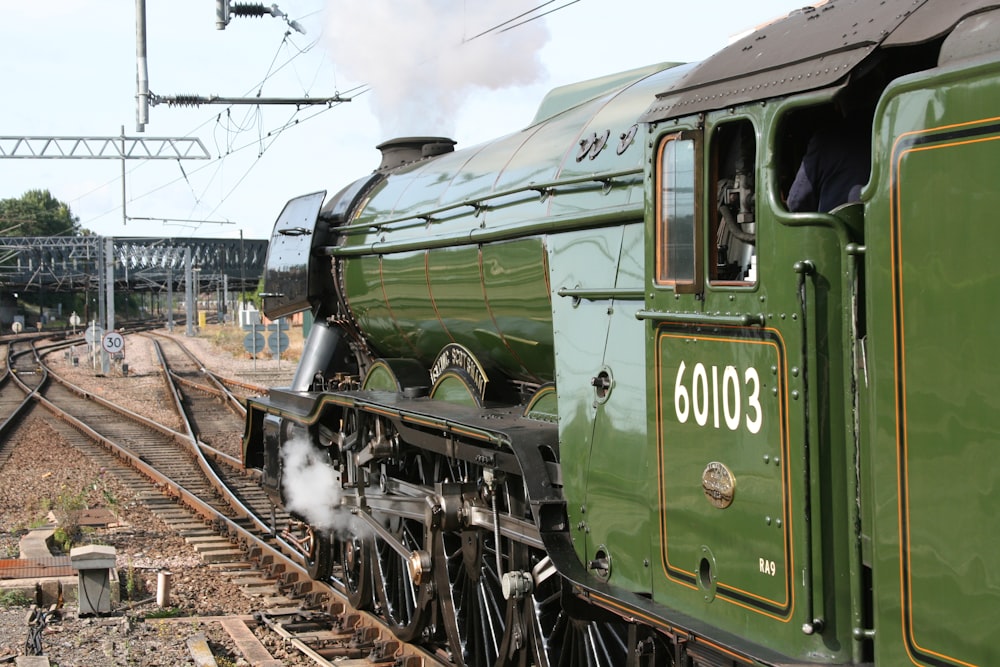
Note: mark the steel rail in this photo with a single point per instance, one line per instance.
(256, 546)
(171, 486)
(194, 445)
(217, 384)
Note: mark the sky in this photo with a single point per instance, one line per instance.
(409, 67)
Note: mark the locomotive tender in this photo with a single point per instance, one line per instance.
(591, 394)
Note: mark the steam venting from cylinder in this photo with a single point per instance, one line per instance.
(423, 58)
(404, 150)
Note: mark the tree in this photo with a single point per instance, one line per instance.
(37, 213)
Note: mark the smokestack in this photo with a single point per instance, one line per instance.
(404, 150)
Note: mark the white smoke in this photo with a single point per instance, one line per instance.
(311, 486)
(423, 58)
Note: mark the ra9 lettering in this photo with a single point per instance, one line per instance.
(719, 396)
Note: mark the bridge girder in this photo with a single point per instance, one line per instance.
(75, 263)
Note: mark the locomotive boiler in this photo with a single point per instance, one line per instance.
(592, 394)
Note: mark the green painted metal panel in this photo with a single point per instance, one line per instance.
(454, 389)
(495, 302)
(935, 396)
(457, 297)
(725, 504)
(367, 301)
(544, 405)
(620, 483)
(516, 290)
(620, 487)
(380, 378)
(385, 296)
(569, 96)
(604, 447)
(413, 327)
(586, 259)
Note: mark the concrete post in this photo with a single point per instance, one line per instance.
(94, 562)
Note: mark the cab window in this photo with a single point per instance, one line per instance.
(676, 213)
(733, 228)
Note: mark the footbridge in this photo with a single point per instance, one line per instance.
(82, 263)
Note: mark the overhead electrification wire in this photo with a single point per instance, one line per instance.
(506, 25)
(535, 18)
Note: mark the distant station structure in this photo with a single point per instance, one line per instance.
(105, 266)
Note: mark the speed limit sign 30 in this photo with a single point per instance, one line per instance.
(113, 342)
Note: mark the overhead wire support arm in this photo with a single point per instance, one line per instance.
(198, 100)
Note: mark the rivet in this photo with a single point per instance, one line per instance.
(795, 395)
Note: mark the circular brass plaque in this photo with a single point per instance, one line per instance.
(718, 484)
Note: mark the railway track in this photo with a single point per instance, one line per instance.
(214, 411)
(192, 478)
(20, 378)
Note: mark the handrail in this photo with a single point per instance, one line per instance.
(718, 319)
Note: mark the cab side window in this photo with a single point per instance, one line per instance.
(677, 259)
(733, 223)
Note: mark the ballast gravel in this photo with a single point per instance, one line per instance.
(47, 476)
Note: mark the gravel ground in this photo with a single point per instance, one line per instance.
(46, 474)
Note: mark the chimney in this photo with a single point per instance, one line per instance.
(404, 150)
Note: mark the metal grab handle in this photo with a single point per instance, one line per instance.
(813, 624)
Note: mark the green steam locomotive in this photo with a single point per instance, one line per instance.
(598, 393)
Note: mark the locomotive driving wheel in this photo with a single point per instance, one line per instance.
(403, 593)
(318, 553)
(351, 551)
(529, 615)
(548, 628)
(468, 566)
(354, 554)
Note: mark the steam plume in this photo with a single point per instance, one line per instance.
(312, 488)
(423, 58)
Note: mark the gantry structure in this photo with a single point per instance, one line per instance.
(80, 263)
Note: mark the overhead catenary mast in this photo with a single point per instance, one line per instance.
(224, 12)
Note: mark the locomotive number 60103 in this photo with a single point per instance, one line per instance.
(716, 395)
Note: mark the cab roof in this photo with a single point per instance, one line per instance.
(812, 48)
